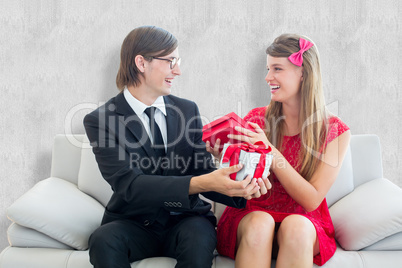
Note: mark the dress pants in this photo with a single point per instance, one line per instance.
(190, 240)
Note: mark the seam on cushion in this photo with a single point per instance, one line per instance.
(362, 259)
(8, 233)
(2, 254)
(68, 258)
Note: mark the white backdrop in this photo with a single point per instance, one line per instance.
(60, 58)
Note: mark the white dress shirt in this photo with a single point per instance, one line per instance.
(160, 113)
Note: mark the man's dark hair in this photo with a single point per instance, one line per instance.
(148, 41)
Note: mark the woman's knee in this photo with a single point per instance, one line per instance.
(256, 228)
(297, 230)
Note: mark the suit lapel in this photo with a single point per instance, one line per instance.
(133, 123)
(174, 123)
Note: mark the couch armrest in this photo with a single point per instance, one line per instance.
(23, 237)
(58, 209)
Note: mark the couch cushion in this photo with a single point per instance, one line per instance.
(159, 262)
(343, 259)
(13, 257)
(370, 213)
(381, 259)
(20, 236)
(58, 209)
(90, 180)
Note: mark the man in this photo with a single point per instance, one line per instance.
(148, 147)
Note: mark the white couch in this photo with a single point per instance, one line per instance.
(51, 223)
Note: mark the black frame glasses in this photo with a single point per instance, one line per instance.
(173, 61)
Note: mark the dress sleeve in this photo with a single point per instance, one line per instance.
(257, 115)
(336, 128)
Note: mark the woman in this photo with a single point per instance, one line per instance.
(291, 222)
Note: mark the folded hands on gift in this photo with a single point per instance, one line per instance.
(248, 188)
(250, 137)
(219, 181)
(264, 185)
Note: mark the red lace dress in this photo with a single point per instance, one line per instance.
(280, 205)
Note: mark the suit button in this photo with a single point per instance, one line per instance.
(146, 223)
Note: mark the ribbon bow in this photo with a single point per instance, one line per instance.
(297, 58)
(232, 155)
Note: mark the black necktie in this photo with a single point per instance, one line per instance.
(158, 145)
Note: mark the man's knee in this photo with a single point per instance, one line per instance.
(198, 231)
(101, 242)
(118, 243)
(196, 242)
(99, 247)
(105, 235)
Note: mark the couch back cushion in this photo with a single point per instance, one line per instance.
(343, 184)
(66, 156)
(90, 180)
(366, 158)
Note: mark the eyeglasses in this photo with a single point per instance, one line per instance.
(173, 61)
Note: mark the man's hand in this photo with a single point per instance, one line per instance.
(215, 150)
(219, 181)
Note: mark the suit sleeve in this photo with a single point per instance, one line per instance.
(126, 180)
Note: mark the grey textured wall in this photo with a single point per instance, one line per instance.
(55, 55)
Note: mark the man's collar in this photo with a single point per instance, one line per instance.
(139, 107)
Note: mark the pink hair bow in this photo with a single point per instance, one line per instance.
(297, 58)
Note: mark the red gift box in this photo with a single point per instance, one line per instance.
(256, 159)
(220, 128)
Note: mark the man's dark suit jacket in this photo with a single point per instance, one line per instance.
(147, 188)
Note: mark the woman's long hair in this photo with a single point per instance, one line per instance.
(313, 114)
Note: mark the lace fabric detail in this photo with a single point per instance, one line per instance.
(280, 205)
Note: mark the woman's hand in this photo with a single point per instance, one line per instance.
(250, 136)
(264, 185)
(214, 151)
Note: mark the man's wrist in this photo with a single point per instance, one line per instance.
(199, 184)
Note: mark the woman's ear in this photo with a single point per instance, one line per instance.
(140, 63)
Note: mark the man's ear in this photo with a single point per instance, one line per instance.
(140, 63)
